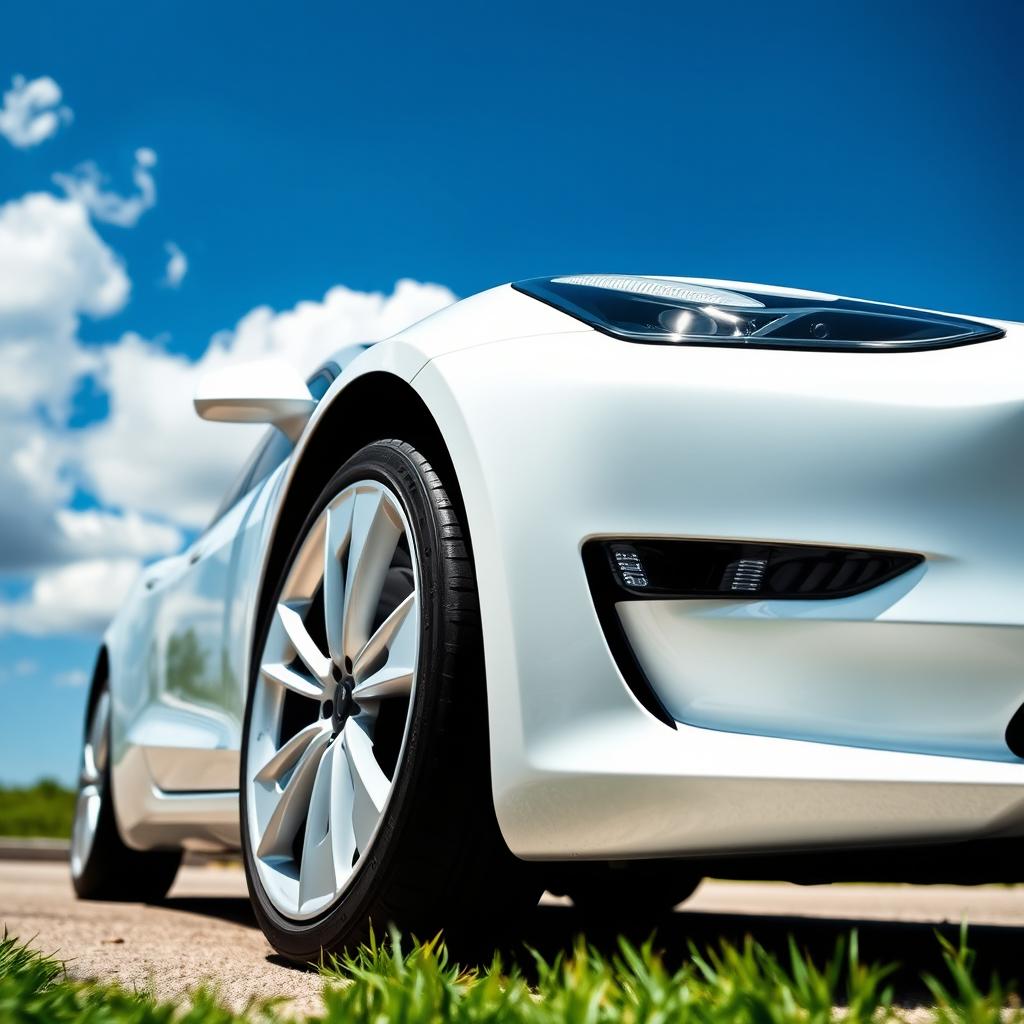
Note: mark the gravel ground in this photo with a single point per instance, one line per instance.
(205, 930)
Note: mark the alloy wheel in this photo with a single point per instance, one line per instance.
(332, 700)
(91, 784)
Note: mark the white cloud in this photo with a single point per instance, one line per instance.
(36, 531)
(23, 668)
(85, 185)
(155, 456)
(152, 464)
(177, 266)
(312, 331)
(77, 598)
(87, 533)
(153, 453)
(54, 268)
(32, 111)
(73, 677)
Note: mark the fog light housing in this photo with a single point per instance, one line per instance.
(653, 569)
(720, 569)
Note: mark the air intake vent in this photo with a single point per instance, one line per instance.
(745, 575)
(705, 569)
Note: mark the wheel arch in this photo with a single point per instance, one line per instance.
(375, 406)
(100, 675)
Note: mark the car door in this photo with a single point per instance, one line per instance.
(198, 642)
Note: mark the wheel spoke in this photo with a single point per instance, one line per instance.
(369, 783)
(376, 530)
(385, 665)
(98, 731)
(290, 618)
(342, 810)
(293, 805)
(88, 807)
(284, 759)
(83, 831)
(336, 540)
(94, 753)
(388, 681)
(318, 874)
(296, 682)
(379, 647)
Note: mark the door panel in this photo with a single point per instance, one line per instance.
(201, 696)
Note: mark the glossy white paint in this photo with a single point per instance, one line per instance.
(772, 672)
(911, 451)
(871, 719)
(263, 391)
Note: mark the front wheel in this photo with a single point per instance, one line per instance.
(102, 866)
(365, 786)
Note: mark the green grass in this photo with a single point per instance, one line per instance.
(383, 984)
(44, 809)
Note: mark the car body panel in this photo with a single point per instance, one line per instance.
(906, 451)
(559, 434)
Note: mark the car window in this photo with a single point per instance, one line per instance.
(272, 450)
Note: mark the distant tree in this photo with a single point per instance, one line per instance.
(43, 809)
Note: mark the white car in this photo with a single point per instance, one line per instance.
(596, 584)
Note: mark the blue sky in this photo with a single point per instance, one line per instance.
(870, 149)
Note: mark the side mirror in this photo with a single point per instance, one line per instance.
(268, 391)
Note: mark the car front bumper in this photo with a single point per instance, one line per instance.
(875, 719)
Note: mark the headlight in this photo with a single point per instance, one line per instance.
(673, 311)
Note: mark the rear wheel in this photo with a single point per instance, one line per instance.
(365, 786)
(102, 867)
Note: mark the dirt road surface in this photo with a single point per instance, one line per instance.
(205, 930)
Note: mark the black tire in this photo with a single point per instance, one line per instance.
(437, 861)
(111, 870)
(634, 891)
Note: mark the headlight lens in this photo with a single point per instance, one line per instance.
(678, 312)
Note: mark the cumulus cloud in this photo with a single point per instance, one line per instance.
(153, 467)
(54, 269)
(28, 500)
(21, 669)
(72, 677)
(86, 184)
(86, 533)
(312, 331)
(32, 111)
(78, 598)
(153, 455)
(177, 266)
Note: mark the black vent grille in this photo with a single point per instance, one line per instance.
(844, 573)
(702, 569)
